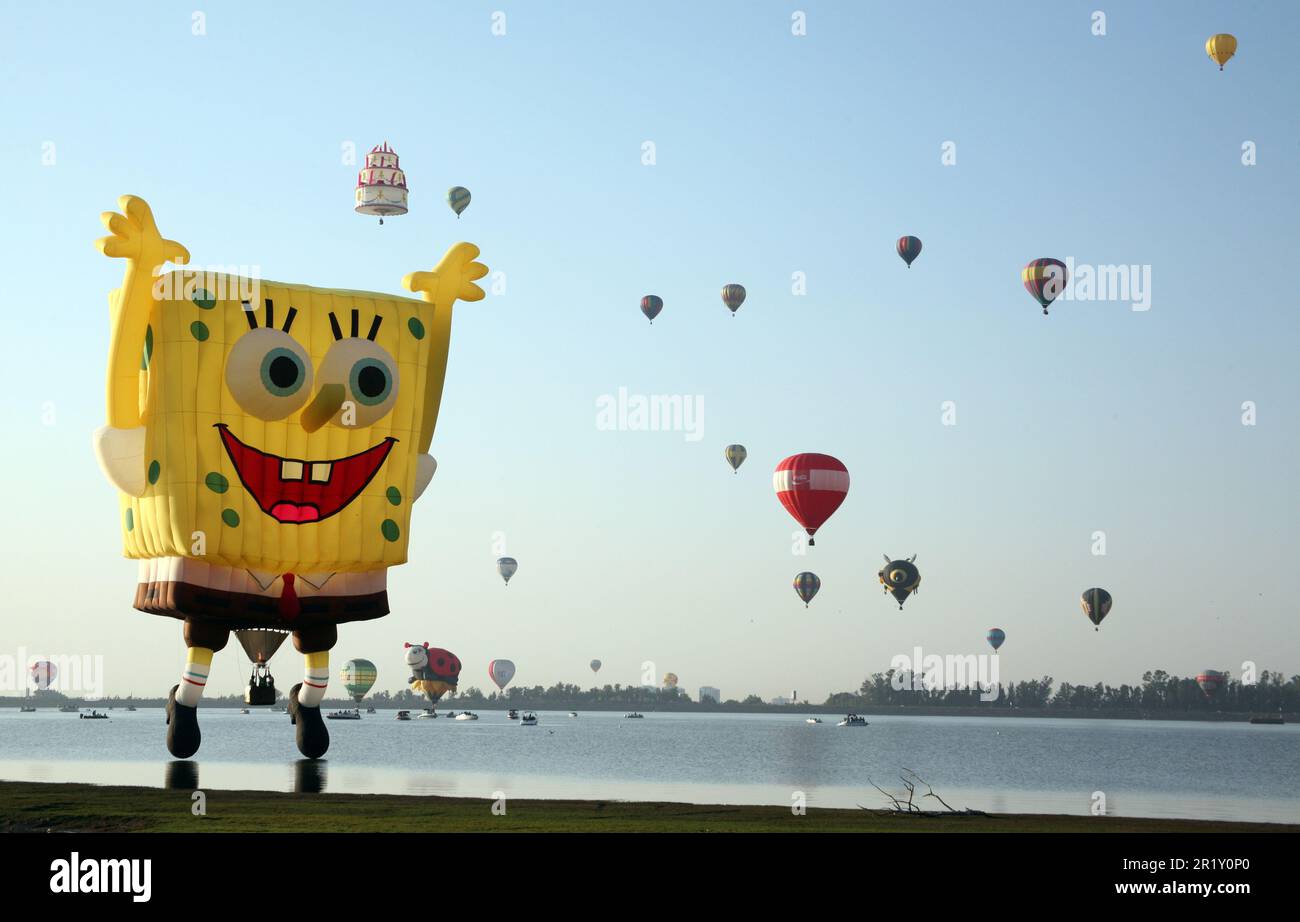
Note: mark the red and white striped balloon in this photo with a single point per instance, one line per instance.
(811, 487)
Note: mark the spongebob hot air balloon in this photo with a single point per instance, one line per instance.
(1221, 47)
(268, 441)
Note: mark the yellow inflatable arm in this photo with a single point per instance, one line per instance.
(135, 238)
(452, 279)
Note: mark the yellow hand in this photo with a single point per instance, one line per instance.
(134, 236)
(452, 279)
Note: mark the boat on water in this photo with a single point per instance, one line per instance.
(528, 719)
(370, 710)
(512, 714)
(403, 715)
(69, 709)
(427, 714)
(467, 716)
(353, 714)
(573, 713)
(94, 715)
(279, 709)
(633, 715)
(1259, 719)
(130, 707)
(813, 720)
(853, 720)
(26, 710)
(243, 710)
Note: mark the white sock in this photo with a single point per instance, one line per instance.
(193, 679)
(314, 681)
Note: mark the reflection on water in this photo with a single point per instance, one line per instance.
(1021, 765)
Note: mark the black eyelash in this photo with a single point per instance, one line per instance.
(356, 325)
(270, 315)
(374, 328)
(356, 320)
(334, 325)
(249, 315)
(288, 321)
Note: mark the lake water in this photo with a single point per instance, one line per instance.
(1224, 771)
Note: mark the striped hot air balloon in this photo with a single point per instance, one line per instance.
(909, 248)
(735, 455)
(811, 487)
(507, 567)
(1045, 279)
(1221, 47)
(501, 671)
(733, 296)
(651, 305)
(807, 584)
(1096, 605)
(1211, 680)
(458, 199)
(996, 637)
(359, 677)
(43, 673)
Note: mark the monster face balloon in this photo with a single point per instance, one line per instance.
(900, 578)
(434, 671)
(267, 441)
(806, 585)
(1044, 279)
(1096, 605)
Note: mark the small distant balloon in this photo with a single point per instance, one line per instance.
(996, 637)
(595, 665)
(458, 199)
(507, 566)
(909, 248)
(735, 455)
(733, 296)
(1210, 681)
(1044, 279)
(1096, 605)
(43, 674)
(651, 305)
(670, 680)
(501, 671)
(1221, 47)
(806, 585)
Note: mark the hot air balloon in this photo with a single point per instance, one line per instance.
(996, 637)
(900, 578)
(458, 199)
(811, 487)
(501, 671)
(670, 680)
(381, 185)
(1211, 680)
(735, 455)
(507, 566)
(359, 677)
(260, 645)
(651, 305)
(733, 296)
(1221, 47)
(595, 665)
(1096, 605)
(806, 585)
(1045, 279)
(909, 248)
(43, 673)
(434, 671)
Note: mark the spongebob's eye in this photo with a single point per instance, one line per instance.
(269, 373)
(368, 374)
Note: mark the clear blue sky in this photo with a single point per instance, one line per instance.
(775, 154)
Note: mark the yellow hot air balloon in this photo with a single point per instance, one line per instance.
(1221, 47)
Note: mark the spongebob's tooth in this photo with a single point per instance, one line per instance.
(291, 470)
(320, 473)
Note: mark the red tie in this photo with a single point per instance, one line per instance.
(289, 607)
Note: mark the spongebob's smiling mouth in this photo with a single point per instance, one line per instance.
(299, 492)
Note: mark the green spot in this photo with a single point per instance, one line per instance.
(148, 349)
(416, 328)
(390, 530)
(154, 470)
(216, 482)
(199, 330)
(394, 496)
(130, 521)
(204, 299)
(230, 517)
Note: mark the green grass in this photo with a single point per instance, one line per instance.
(26, 806)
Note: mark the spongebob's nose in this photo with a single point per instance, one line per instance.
(323, 407)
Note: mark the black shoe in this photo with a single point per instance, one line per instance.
(183, 735)
(313, 738)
